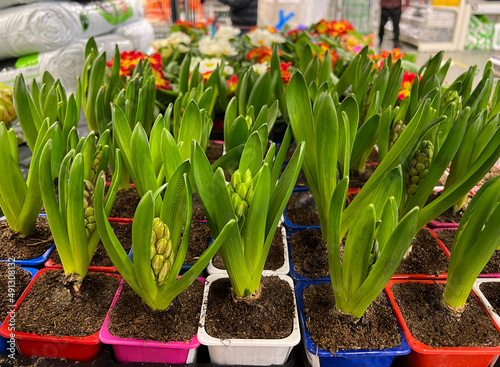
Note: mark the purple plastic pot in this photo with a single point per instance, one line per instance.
(138, 350)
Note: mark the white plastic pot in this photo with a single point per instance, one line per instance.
(487, 305)
(256, 352)
(284, 270)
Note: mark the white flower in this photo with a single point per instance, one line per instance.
(216, 47)
(209, 65)
(260, 68)
(226, 32)
(178, 40)
(262, 37)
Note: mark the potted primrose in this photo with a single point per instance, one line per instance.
(255, 199)
(77, 300)
(453, 314)
(151, 283)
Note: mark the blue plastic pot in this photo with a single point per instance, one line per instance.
(4, 341)
(363, 357)
(37, 262)
(297, 277)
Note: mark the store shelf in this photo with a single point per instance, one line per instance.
(485, 8)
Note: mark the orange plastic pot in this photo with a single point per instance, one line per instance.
(423, 355)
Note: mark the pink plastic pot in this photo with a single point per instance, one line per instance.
(423, 355)
(82, 349)
(138, 350)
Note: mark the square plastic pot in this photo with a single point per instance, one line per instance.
(423, 355)
(252, 352)
(38, 262)
(364, 357)
(448, 253)
(426, 276)
(4, 341)
(487, 305)
(82, 349)
(297, 277)
(283, 270)
(138, 350)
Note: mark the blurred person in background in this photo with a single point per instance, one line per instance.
(391, 9)
(243, 13)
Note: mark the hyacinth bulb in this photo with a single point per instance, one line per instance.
(88, 207)
(162, 251)
(419, 166)
(241, 192)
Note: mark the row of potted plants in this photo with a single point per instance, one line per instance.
(243, 195)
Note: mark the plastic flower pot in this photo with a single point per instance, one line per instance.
(255, 352)
(487, 305)
(4, 341)
(82, 349)
(296, 276)
(345, 358)
(423, 355)
(138, 350)
(283, 270)
(425, 276)
(38, 262)
(448, 252)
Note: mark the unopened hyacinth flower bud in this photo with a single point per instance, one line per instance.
(419, 166)
(241, 191)
(396, 131)
(88, 207)
(95, 165)
(162, 254)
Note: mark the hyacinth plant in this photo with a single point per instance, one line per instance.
(375, 245)
(476, 239)
(254, 198)
(50, 101)
(21, 200)
(71, 213)
(158, 249)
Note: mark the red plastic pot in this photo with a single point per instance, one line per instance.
(425, 276)
(423, 355)
(82, 349)
(49, 264)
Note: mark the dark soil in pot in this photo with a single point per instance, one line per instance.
(332, 330)
(494, 171)
(357, 179)
(373, 157)
(214, 150)
(309, 253)
(301, 209)
(198, 241)
(442, 180)
(493, 265)
(425, 257)
(132, 318)
(21, 280)
(269, 318)
(15, 247)
(274, 260)
(50, 308)
(101, 258)
(198, 213)
(431, 322)
(492, 293)
(125, 203)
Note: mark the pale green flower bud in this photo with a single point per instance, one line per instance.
(162, 276)
(242, 189)
(153, 252)
(157, 263)
(236, 178)
(241, 209)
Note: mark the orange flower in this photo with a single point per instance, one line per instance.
(333, 55)
(406, 85)
(285, 74)
(261, 54)
(232, 83)
(321, 27)
(129, 61)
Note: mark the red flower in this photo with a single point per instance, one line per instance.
(260, 54)
(129, 61)
(285, 74)
(232, 83)
(406, 85)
